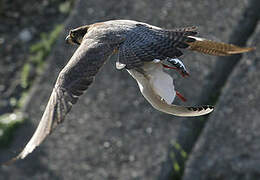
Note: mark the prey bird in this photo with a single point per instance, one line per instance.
(142, 50)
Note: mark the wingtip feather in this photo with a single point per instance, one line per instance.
(193, 111)
(201, 110)
(11, 161)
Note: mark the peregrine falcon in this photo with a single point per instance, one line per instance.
(142, 50)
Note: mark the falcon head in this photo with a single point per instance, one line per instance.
(76, 35)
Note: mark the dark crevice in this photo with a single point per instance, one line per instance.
(191, 128)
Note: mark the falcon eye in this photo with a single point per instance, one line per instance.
(72, 34)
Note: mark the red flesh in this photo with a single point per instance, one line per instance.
(170, 67)
(181, 96)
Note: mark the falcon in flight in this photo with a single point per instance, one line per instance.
(143, 50)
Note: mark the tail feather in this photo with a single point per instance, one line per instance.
(216, 48)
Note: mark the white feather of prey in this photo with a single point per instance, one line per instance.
(154, 82)
(160, 81)
(158, 89)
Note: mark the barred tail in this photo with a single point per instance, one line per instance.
(216, 48)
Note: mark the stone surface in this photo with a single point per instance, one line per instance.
(113, 133)
(25, 35)
(228, 148)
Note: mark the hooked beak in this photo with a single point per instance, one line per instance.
(69, 40)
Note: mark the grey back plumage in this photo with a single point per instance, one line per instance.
(146, 43)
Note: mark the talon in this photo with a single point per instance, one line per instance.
(181, 96)
(183, 73)
(169, 67)
(179, 66)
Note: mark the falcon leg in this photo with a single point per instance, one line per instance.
(181, 96)
(178, 65)
(169, 67)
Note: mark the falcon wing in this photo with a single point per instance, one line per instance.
(146, 43)
(72, 81)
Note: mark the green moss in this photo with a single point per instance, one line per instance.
(13, 101)
(184, 154)
(22, 100)
(177, 146)
(176, 166)
(175, 159)
(172, 155)
(66, 6)
(8, 123)
(25, 75)
(39, 51)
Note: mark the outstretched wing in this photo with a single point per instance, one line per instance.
(72, 81)
(146, 43)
